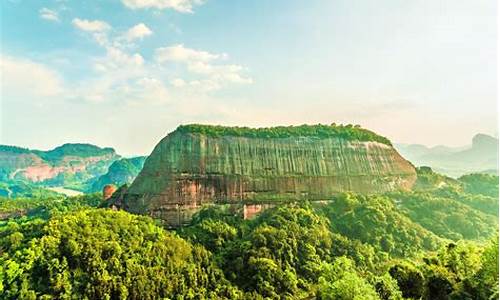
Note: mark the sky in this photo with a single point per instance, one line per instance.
(125, 73)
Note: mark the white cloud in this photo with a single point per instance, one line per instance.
(203, 63)
(183, 6)
(179, 53)
(139, 31)
(121, 59)
(48, 14)
(23, 77)
(146, 90)
(91, 26)
(178, 82)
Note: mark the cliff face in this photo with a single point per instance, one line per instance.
(188, 169)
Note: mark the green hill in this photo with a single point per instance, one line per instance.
(120, 172)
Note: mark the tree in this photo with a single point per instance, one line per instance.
(410, 280)
(341, 281)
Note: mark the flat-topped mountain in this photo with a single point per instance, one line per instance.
(67, 165)
(199, 164)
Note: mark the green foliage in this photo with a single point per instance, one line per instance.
(120, 172)
(14, 149)
(409, 278)
(101, 254)
(79, 150)
(365, 256)
(482, 184)
(484, 204)
(44, 208)
(374, 220)
(16, 188)
(347, 132)
(445, 216)
(341, 281)
(427, 179)
(387, 288)
(76, 162)
(276, 255)
(354, 247)
(485, 281)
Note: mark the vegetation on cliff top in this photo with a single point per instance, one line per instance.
(347, 132)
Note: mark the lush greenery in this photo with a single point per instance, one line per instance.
(432, 243)
(347, 132)
(24, 209)
(14, 149)
(76, 167)
(447, 217)
(298, 252)
(120, 172)
(17, 188)
(80, 150)
(483, 184)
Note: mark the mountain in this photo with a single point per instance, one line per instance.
(69, 165)
(120, 172)
(198, 164)
(480, 157)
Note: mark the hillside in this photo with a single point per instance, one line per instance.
(437, 241)
(199, 164)
(69, 165)
(480, 156)
(120, 172)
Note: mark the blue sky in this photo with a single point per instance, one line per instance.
(124, 73)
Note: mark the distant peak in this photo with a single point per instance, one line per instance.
(484, 139)
(82, 146)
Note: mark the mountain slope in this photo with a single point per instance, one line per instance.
(120, 172)
(69, 165)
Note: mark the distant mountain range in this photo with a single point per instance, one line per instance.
(479, 157)
(80, 167)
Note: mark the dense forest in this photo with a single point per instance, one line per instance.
(439, 241)
(347, 132)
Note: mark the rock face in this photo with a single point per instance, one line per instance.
(189, 168)
(107, 191)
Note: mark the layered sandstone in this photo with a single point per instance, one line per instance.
(188, 169)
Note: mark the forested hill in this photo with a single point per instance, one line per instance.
(438, 241)
(122, 171)
(69, 165)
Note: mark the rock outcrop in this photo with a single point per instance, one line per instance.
(107, 191)
(192, 166)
